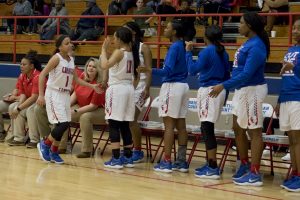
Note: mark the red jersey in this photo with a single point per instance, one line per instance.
(86, 95)
(27, 83)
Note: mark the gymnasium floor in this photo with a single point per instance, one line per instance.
(24, 176)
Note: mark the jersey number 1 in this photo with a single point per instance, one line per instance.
(67, 81)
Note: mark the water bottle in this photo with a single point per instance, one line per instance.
(8, 32)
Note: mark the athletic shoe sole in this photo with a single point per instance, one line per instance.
(114, 166)
(256, 184)
(213, 177)
(180, 170)
(162, 170)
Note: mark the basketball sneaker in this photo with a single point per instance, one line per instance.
(44, 151)
(55, 157)
(137, 156)
(127, 162)
(244, 169)
(208, 173)
(294, 186)
(250, 179)
(163, 166)
(180, 166)
(201, 168)
(114, 163)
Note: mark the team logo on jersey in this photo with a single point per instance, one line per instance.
(291, 57)
(236, 55)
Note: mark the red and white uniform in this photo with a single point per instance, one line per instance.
(138, 97)
(57, 94)
(86, 95)
(119, 98)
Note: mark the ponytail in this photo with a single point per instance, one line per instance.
(257, 24)
(136, 57)
(32, 56)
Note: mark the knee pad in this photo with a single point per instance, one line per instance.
(114, 131)
(59, 130)
(208, 131)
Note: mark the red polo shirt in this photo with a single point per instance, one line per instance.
(35, 87)
(86, 95)
(27, 83)
(18, 84)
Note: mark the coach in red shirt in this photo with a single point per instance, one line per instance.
(88, 106)
(30, 68)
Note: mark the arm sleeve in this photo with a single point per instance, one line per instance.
(195, 67)
(169, 63)
(253, 62)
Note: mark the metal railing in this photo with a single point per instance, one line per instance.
(158, 42)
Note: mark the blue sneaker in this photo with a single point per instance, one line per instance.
(180, 166)
(137, 156)
(201, 168)
(288, 182)
(250, 178)
(55, 157)
(114, 163)
(44, 151)
(163, 166)
(208, 173)
(244, 169)
(127, 162)
(294, 186)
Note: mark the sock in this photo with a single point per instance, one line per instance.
(212, 164)
(48, 142)
(181, 156)
(116, 153)
(54, 149)
(244, 161)
(294, 173)
(167, 158)
(255, 169)
(127, 152)
(137, 148)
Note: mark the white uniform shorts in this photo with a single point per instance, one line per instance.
(119, 102)
(58, 106)
(247, 106)
(209, 109)
(289, 116)
(138, 95)
(173, 100)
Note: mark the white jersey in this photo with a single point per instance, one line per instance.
(61, 77)
(122, 72)
(142, 62)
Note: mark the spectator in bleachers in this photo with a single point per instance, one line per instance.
(188, 22)
(165, 7)
(115, 7)
(40, 8)
(23, 110)
(22, 8)
(48, 29)
(141, 9)
(8, 103)
(89, 28)
(153, 4)
(88, 106)
(274, 6)
(127, 4)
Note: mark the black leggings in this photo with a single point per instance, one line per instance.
(208, 130)
(117, 127)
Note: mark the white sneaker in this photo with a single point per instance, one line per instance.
(233, 148)
(287, 157)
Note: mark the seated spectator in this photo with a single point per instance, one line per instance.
(274, 6)
(48, 29)
(8, 103)
(40, 8)
(89, 28)
(89, 108)
(188, 22)
(30, 68)
(141, 9)
(165, 7)
(153, 4)
(127, 4)
(22, 8)
(115, 7)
